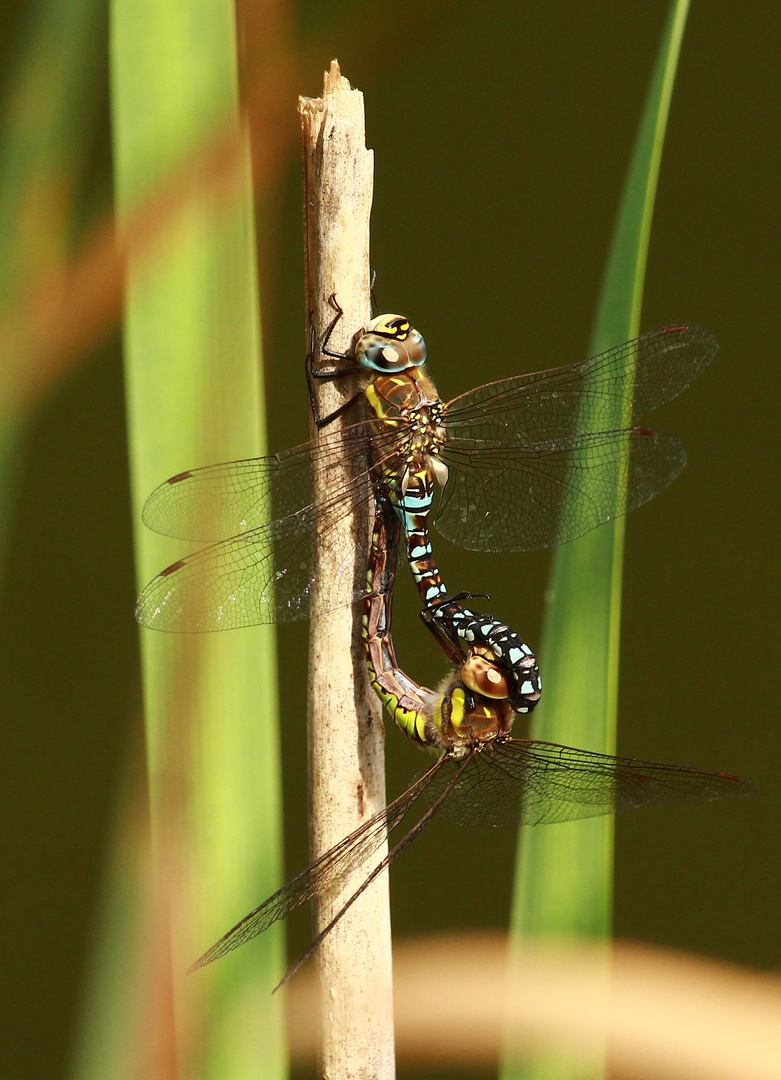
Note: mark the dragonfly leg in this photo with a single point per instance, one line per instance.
(331, 327)
(454, 653)
(466, 595)
(313, 373)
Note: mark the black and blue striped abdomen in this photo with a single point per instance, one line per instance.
(446, 616)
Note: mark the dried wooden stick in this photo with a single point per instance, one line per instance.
(346, 736)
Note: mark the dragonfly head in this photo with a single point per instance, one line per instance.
(390, 344)
(484, 676)
(463, 715)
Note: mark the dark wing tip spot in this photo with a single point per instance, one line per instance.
(179, 476)
(674, 329)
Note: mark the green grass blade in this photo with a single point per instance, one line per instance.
(192, 373)
(109, 1044)
(564, 874)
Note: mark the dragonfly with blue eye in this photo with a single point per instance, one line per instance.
(482, 776)
(527, 462)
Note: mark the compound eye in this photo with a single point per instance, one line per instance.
(485, 678)
(381, 354)
(416, 348)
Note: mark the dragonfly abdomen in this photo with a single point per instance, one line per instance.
(446, 616)
(411, 706)
(471, 630)
(456, 715)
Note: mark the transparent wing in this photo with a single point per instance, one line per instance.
(327, 871)
(518, 781)
(552, 455)
(523, 497)
(553, 404)
(262, 573)
(261, 576)
(221, 501)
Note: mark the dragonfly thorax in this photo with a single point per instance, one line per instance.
(390, 343)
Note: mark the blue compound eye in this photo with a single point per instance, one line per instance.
(381, 354)
(416, 348)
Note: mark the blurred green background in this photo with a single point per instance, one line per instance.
(501, 138)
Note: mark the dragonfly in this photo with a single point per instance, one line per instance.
(483, 775)
(523, 463)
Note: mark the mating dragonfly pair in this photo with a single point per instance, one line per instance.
(523, 463)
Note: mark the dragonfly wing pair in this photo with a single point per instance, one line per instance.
(538, 460)
(262, 573)
(508, 782)
(529, 467)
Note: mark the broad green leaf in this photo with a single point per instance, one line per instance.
(192, 352)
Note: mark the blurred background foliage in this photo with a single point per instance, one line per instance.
(501, 137)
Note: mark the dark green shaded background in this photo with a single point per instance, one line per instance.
(501, 139)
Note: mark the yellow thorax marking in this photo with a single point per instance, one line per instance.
(457, 716)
